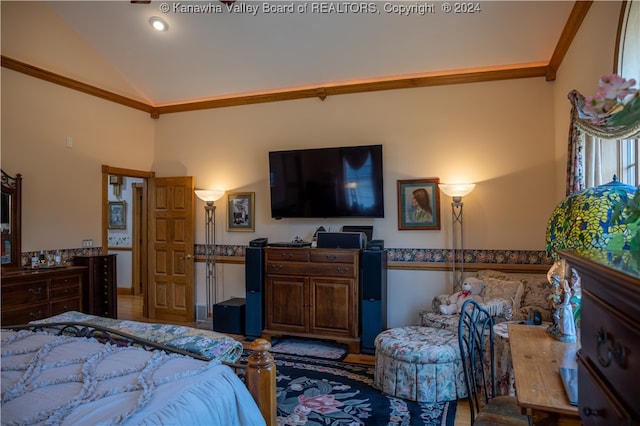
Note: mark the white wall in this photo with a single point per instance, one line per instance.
(473, 132)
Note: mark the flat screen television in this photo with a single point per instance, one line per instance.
(327, 182)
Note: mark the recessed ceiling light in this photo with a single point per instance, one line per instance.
(158, 23)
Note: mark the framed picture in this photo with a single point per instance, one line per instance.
(241, 212)
(117, 215)
(419, 204)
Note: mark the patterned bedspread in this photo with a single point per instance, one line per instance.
(62, 380)
(210, 344)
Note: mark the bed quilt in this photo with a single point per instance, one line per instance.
(210, 344)
(61, 380)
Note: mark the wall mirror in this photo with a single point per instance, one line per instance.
(11, 221)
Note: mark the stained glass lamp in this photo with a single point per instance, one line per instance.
(583, 221)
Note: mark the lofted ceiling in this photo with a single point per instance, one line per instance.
(211, 52)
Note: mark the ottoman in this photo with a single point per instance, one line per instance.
(419, 364)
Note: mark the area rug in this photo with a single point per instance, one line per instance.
(314, 348)
(315, 391)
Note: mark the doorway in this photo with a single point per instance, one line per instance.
(129, 244)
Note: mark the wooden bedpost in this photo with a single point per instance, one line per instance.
(261, 379)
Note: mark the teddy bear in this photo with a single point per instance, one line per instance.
(471, 289)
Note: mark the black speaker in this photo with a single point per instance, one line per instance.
(341, 240)
(254, 285)
(368, 230)
(375, 245)
(229, 316)
(259, 242)
(373, 297)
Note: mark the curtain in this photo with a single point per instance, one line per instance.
(585, 141)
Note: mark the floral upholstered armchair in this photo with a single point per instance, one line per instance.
(507, 296)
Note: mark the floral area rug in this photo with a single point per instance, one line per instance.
(315, 348)
(315, 392)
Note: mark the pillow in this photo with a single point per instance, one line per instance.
(536, 286)
(503, 289)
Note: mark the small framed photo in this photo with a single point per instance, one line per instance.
(117, 215)
(419, 204)
(241, 212)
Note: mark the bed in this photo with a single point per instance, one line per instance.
(79, 372)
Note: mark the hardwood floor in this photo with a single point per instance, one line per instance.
(130, 308)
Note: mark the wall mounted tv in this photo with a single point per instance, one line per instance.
(327, 182)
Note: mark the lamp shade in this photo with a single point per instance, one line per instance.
(209, 195)
(456, 189)
(582, 221)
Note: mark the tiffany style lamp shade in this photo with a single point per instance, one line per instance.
(583, 221)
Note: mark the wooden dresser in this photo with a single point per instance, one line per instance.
(29, 295)
(313, 292)
(100, 292)
(609, 360)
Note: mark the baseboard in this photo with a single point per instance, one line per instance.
(125, 291)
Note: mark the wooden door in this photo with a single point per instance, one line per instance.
(171, 237)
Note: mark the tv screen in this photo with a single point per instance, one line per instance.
(327, 182)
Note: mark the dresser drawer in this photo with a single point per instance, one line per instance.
(288, 255)
(23, 315)
(65, 305)
(287, 268)
(344, 270)
(331, 256)
(597, 405)
(66, 281)
(63, 291)
(612, 345)
(24, 293)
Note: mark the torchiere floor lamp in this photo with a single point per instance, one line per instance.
(456, 192)
(209, 197)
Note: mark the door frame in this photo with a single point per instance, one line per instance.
(139, 239)
(143, 255)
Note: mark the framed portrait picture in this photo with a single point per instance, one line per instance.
(117, 215)
(241, 211)
(419, 204)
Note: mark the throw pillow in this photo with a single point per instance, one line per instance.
(536, 286)
(504, 289)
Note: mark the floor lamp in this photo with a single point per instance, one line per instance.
(209, 197)
(456, 192)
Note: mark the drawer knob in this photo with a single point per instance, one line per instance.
(331, 257)
(37, 290)
(591, 412)
(345, 270)
(276, 267)
(615, 350)
(287, 255)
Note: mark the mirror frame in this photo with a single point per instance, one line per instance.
(12, 186)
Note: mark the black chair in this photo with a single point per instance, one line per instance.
(475, 335)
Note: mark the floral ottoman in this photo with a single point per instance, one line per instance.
(419, 364)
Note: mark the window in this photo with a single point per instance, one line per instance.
(620, 157)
